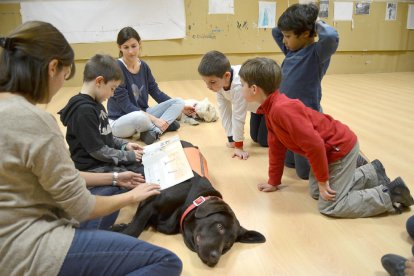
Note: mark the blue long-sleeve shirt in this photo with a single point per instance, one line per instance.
(303, 70)
(133, 93)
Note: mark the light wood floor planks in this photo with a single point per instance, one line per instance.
(300, 241)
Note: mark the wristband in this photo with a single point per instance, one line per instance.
(238, 145)
(114, 179)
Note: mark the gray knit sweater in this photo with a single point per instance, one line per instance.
(41, 192)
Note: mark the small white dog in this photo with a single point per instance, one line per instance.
(204, 111)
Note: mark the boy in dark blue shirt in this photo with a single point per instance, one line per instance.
(304, 66)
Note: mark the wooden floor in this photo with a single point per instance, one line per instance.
(300, 241)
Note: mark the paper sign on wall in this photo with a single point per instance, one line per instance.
(267, 14)
(343, 11)
(100, 21)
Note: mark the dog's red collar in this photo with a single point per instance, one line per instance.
(197, 202)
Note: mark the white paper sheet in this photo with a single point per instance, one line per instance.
(307, 1)
(343, 11)
(410, 17)
(165, 163)
(267, 14)
(220, 6)
(100, 21)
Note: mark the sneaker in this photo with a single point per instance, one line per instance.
(149, 137)
(361, 161)
(400, 193)
(394, 264)
(173, 126)
(383, 179)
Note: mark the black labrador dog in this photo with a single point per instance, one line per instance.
(197, 210)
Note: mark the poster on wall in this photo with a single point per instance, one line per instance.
(324, 8)
(410, 17)
(221, 7)
(391, 11)
(100, 21)
(267, 14)
(343, 11)
(362, 8)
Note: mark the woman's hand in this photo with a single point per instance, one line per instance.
(144, 191)
(161, 124)
(130, 180)
(189, 111)
(326, 192)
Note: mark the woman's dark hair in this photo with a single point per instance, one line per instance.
(125, 34)
(299, 18)
(102, 65)
(25, 58)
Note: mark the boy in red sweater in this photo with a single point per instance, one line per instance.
(330, 146)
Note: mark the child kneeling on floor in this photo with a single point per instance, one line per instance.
(330, 146)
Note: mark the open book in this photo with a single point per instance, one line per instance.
(165, 163)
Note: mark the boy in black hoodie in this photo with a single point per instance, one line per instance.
(89, 136)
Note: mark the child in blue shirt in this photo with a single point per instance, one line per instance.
(304, 66)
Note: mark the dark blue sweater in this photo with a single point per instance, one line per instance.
(132, 94)
(303, 70)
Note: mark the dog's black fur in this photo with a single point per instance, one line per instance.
(210, 230)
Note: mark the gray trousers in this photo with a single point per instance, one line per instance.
(358, 193)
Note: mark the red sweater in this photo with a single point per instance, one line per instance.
(291, 125)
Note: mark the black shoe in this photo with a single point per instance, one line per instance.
(394, 264)
(383, 179)
(361, 161)
(149, 137)
(400, 193)
(173, 126)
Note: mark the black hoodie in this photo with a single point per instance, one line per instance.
(89, 135)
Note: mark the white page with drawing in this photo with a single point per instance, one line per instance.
(165, 163)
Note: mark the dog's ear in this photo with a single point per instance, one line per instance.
(249, 236)
(211, 207)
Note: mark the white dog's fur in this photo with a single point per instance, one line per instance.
(204, 111)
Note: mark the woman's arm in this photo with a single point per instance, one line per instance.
(105, 205)
(126, 179)
(153, 88)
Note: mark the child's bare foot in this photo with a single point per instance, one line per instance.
(230, 144)
(409, 267)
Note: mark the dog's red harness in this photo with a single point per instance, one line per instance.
(200, 200)
(198, 164)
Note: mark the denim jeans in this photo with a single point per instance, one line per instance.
(97, 252)
(138, 121)
(105, 222)
(168, 110)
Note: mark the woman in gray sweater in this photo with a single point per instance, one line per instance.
(42, 195)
